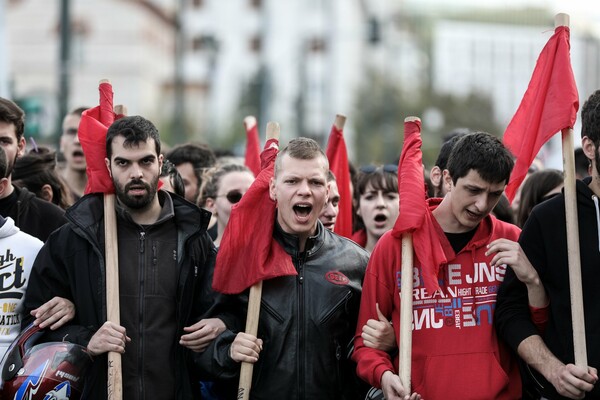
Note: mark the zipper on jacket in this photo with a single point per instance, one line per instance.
(301, 327)
(595, 199)
(142, 241)
(142, 271)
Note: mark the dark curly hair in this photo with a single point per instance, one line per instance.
(134, 129)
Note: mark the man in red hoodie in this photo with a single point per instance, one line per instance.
(456, 353)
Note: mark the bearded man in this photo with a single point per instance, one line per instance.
(165, 271)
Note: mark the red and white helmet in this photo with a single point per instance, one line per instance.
(46, 371)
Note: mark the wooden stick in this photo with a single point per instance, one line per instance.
(406, 312)
(249, 122)
(254, 298)
(252, 328)
(115, 378)
(574, 258)
(113, 312)
(120, 109)
(406, 305)
(575, 286)
(340, 121)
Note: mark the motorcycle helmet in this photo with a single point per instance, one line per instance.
(45, 371)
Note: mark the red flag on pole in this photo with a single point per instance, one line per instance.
(248, 253)
(415, 216)
(252, 160)
(549, 105)
(338, 164)
(92, 135)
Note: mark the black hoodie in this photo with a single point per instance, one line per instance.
(71, 265)
(32, 215)
(544, 240)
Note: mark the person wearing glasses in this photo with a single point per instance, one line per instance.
(456, 353)
(225, 187)
(377, 203)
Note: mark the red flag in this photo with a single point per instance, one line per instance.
(252, 160)
(248, 253)
(338, 164)
(92, 135)
(549, 105)
(415, 216)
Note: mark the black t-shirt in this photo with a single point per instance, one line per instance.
(7, 203)
(459, 240)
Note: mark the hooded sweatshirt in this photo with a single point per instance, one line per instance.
(544, 241)
(456, 353)
(17, 253)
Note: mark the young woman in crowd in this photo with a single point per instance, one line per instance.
(223, 188)
(36, 171)
(377, 204)
(539, 186)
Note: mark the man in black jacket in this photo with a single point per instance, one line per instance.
(549, 353)
(165, 271)
(306, 321)
(32, 215)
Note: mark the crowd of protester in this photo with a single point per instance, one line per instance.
(329, 332)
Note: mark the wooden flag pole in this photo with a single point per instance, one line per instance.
(405, 346)
(115, 378)
(253, 306)
(406, 305)
(249, 122)
(114, 372)
(574, 258)
(340, 121)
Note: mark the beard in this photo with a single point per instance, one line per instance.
(11, 166)
(136, 202)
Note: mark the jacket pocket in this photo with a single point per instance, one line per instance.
(341, 302)
(271, 311)
(460, 376)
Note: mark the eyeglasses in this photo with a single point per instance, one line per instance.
(389, 168)
(233, 196)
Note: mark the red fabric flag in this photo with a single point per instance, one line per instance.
(252, 160)
(415, 216)
(549, 105)
(92, 135)
(248, 253)
(338, 164)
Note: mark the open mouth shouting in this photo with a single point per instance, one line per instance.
(77, 153)
(302, 212)
(380, 220)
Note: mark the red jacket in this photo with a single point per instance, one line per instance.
(456, 353)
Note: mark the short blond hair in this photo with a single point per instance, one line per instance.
(302, 149)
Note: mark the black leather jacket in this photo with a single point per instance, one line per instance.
(71, 265)
(306, 323)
